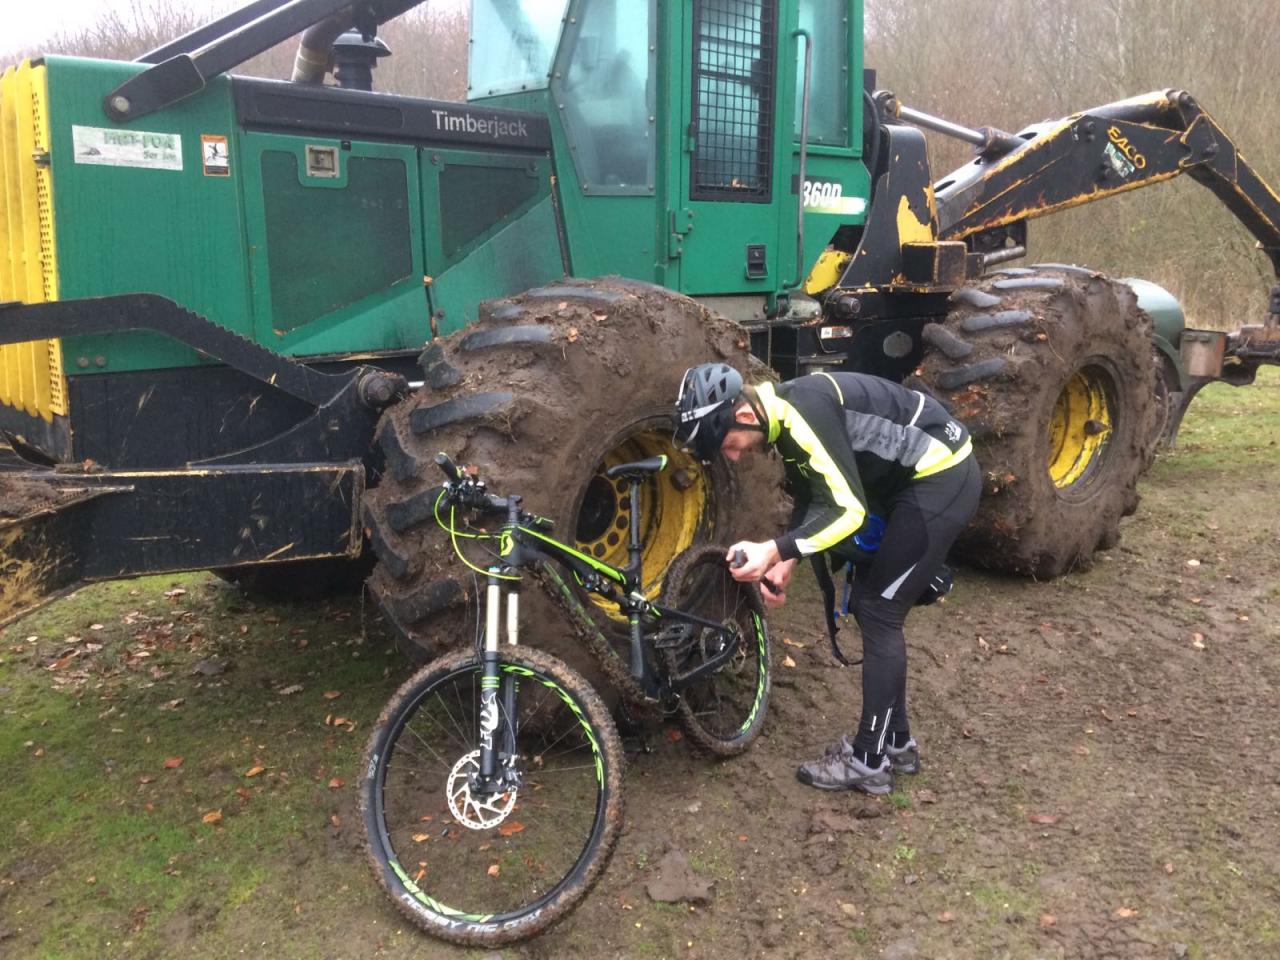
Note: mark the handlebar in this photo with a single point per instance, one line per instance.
(469, 492)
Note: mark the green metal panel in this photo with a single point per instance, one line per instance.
(336, 260)
(606, 234)
(839, 184)
(492, 233)
(124, 227)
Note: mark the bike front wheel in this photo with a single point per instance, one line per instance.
(487, 862)
(722, 710)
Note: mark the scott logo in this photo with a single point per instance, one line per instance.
(1130, 152)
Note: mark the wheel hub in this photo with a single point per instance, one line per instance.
(1081, 429)
(673, 506)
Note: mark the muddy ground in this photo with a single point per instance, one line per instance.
(1100, 771)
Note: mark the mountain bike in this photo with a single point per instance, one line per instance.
(491, 791)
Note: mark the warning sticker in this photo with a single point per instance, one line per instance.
(127, 148)
(216, 156)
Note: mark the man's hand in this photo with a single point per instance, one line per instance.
(773, 586)
(759, 558)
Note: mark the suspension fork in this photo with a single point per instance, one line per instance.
(497, 692)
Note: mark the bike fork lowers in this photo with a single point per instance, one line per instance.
(497, 692)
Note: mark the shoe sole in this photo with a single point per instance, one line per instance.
(875, 790)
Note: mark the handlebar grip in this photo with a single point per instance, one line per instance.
(739, 558)
(448, 466)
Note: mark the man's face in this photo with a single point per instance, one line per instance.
(737, 442)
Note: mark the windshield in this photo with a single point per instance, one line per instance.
(512, 43)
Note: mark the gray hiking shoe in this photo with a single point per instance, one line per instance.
(906, 758)
(841, 770)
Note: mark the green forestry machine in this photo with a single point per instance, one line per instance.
(239, 316)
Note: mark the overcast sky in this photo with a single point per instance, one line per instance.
(24, 23)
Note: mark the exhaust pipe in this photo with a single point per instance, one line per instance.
(315, 49)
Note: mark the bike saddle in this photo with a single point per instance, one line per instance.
(637, 470)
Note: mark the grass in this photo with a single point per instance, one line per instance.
(128, 788)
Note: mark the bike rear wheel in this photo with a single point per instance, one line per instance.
(724, 711)
(490, 867)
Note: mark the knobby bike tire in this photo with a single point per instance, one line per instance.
(450, 880)
(725, 712)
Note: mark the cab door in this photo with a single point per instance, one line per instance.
(726, 229)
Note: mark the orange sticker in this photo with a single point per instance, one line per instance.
(215, 155)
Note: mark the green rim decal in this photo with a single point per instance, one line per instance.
(577, 711)
(431, 901)
(760, 645)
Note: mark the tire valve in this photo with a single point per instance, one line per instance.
(1094, 427)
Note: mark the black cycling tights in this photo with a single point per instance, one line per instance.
(923, 521)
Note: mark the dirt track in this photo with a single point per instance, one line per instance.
(1100, 769)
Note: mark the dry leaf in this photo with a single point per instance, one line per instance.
(336, 783)
(213, 817)
(572, 338)
(1048, 920)
(420, 837)
(1197, 641)
(788, 662)
(507, 829)
(1046, 819)
(332, 694)
(335, 821)
(172, 763)
(290, 690)
(175, 592)
(1168, 868)
(925, 796)
(791, 643)
(39, 752)
(1193, 563)
(674, 735)
(493, 870)
(743, 837)
(254, 771)
(1124, 913)
(146, 778)
(946, 916)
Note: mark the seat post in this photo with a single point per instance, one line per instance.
(633, 543)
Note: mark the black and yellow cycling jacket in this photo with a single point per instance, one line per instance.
(849, 442)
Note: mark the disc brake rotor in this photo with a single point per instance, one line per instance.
(472, 809)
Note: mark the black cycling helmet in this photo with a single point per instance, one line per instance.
(704, 408)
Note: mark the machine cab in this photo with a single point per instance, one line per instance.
(676, 132)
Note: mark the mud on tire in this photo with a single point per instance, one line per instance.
(1051, 371)
(542, 394)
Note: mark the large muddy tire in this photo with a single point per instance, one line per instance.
(1051, 371)
(541, 395)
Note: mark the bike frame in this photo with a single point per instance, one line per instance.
(522, 546)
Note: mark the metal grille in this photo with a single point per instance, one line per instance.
(733, 96)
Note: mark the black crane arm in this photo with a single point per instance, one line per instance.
(1100, 153)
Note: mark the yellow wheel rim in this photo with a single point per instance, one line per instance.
(1082, 425)
(672, 508)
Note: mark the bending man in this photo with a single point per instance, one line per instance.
(853, 445)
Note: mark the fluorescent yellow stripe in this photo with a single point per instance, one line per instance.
(940, 458)
(781, 413)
